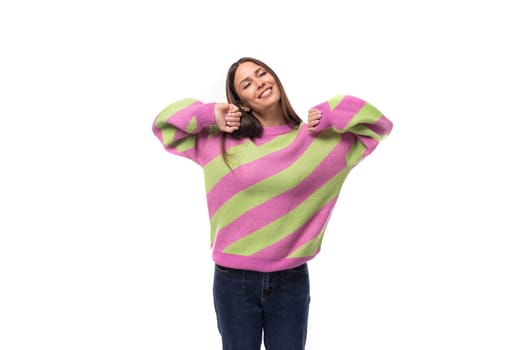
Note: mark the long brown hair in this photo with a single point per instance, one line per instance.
(250, 126)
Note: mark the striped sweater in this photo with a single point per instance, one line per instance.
(270, 210)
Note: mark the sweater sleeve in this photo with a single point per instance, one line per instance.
(178, 126)
(356, 120)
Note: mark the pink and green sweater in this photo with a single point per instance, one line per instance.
(270, 210)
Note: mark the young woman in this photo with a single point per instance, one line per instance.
(271, 183)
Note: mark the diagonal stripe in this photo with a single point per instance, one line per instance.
(307, 235)
(261, 191)
(280, 228)
(277, 207)
(229, 185)
(240, 155)
(310, 248)
(169, 111)
(368, 114)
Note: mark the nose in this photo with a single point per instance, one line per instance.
(260, 83)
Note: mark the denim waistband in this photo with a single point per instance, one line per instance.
(296, 268)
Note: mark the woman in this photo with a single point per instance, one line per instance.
(271, 184)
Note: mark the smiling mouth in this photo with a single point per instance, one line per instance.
(266, 93)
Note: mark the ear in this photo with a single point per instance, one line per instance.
(244, 108)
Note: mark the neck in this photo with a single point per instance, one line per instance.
(272, 117)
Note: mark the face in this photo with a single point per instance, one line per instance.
(256, 87)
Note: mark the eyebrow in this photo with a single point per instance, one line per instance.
(255, 72)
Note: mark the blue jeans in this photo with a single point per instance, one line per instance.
(249, 304)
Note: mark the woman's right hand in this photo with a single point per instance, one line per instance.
(227, 117)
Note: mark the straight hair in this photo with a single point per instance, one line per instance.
(250, 126)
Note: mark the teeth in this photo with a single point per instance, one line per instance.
(265, 93)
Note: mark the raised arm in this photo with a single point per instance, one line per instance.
(350, 115)
(178, 125)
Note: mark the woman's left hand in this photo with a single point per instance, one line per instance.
(314, 117)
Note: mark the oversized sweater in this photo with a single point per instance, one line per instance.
(269, 209)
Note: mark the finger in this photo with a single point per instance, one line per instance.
(235, 114)
(233, 109)
(232, 121)
(314, 115)
(230, 129)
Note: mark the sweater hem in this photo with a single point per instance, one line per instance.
(258, 264)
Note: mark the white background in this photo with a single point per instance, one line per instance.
(104, 235)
